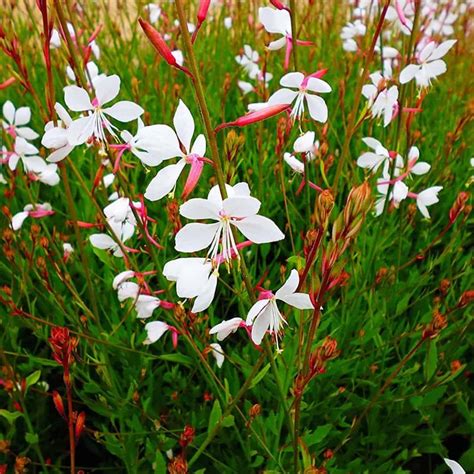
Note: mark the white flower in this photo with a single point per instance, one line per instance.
(426, 198)
(155, 331)
(123, 232)
(178, 55)
(195, 278)
(225, 328)
(218, 353)
(380, 155)
(145, 305)
(92, 125)
(264, 315)
(30, 210)
(56, 137)
(249, 61)
(349, 32)
(296, 165)
(24, 151)
(398, 193)
(430, 65)
(228, 22)
(245, 87)
(154, 11)
(455, 467)
(55, 41)
(39, 170)
(316, 105)
(165, 143)
(239, 209)
(276, 21)
(16, 119)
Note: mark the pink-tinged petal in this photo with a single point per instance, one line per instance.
(241, 206)
(22, 116)
(193, 178)
(9, 112)
(435, 69)
(290, 285)
(442, 49)
(18, 219)
(292, 79)
(106, 88)
(194, 237)
(261, 325)
(318, 85)
(155, 331)
(102, 241)
(77, 99)
(282, 96)
(205, 298)
(184, 125)
(199, 146)
(164, 181)
(124, 111)
(317, 108)
(80, 130)
(259, 229)
(199, 208)
(408, 73)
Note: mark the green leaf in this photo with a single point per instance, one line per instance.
(31, 438)
(33, 378)
(178, 358)
(10, 416)
(431, 361)
(160, 464)
(297, 262)
(259, 376)
(320, 433)
(216, 415)
(228, 421)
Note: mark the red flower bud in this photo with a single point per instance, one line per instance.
(58, 403)
(80, 424)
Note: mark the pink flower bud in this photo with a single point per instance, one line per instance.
(256, 116)
(203, 9)
(158, 42)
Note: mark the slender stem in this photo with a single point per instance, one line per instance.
(293, 34)
(358, 93)
(70, 422)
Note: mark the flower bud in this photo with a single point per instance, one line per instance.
(58, 403)
(458, 206)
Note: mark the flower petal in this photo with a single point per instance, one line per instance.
(259, 229)
(124, 111)
(77, 99)
(292, 79)
(199, 208)
(195, 236)
(317, 108)
(241, 206)
(106, 88)
(164, 181)
(184, 125)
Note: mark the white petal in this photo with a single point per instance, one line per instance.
(199, 208)
(22, 116)
(80, 130)
(305, 143)
(199, 146)
(124, 111)
(261, 325)
(442, 49)
(292, 79)
(18, 219)
(225, 328)
(145, 305)
(218, 353)
(275, 21)
(102, 241)
(9, 112)
(408, 73)
(277, 44)
(426, 51)
(106, 88)
(126, 290)
(435, 69)
(370, 160)
(455, 467)
(420, 168)
(298, 300)
(317, 108)
(256, 310)
(164, 181)
(205, 298)
(27, 133)
(241, 206)
(259, 229)
(161, 139)
(77, 99)
(184, 125)
(318, 85)
(195, 236)
(155, 331)
(282, 96)
(121, 277)
(290, 285)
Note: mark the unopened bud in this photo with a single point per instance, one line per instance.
(458, 206)
(58, 403)
(466, 298)
(324, 206)
(80, 425)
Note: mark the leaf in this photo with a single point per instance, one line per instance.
(33, 378)
(10, 416)
(259, 376)
(320, 433)
(297, 262)
(228, 421)
(159, 464)
(216, 415)
(431, 361)
(31, 438)
(178, 358)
